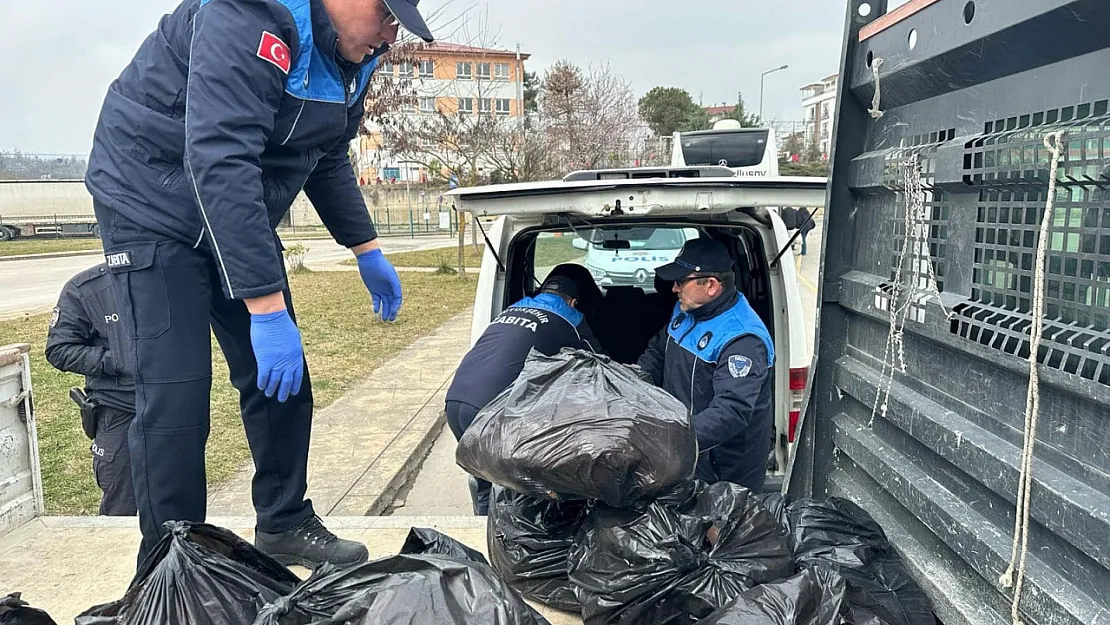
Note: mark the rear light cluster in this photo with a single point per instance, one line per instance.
(799, 377)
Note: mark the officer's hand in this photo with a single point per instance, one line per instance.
(381, 280)
(277, 349)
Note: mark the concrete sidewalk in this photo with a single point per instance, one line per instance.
(367, 444)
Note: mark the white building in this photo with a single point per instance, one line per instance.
(818, 108)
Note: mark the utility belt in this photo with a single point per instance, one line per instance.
(90, 410)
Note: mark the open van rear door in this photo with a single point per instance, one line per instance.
(939, 180)
(653, 197)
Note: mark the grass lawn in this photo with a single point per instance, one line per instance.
(552, 250)
(343, 343)
(44, 246)
(437, 257)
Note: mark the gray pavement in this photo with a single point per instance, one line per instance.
(368, 444)
(32, 286)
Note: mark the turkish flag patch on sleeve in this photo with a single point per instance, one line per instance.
(271, 48)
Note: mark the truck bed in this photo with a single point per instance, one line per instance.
(66, 565)
(918, 408)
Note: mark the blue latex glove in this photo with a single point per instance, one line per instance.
(278, 352)
(381, 280)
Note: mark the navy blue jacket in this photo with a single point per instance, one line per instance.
(545, 322)
(86, 337)
(227, 111)
(717, 360)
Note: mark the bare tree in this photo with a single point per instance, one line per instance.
(591, 117)
(470, 137)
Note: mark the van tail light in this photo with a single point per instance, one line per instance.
(799, 377)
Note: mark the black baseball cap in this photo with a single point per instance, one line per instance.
(700, 255)
(406, 13)
(561, 284)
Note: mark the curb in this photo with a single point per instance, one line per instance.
(52, 255)
(408, 469)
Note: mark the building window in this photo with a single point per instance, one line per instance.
(485, 106)
(825, 110)
(483, 71)
(427, 105)
(466, 105)
(386, 68)
(463, 71)
(427, 69)
(501, 72)
(503, 106)
(428, 143)
(406, 69)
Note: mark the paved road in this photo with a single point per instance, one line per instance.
(440, 488)
(31, 286)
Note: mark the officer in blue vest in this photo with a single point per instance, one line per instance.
(227, 111)
(715, 356)
(546, 322)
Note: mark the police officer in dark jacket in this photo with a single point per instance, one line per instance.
(715, 356)
(228, 110)
(547, 322)
(85, 337)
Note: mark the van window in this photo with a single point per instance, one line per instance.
(647, 248)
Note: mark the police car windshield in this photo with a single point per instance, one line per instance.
(646, 239)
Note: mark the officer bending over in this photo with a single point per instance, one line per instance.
(86, 337)
(230, 109)
(715, 356)
(547, 322)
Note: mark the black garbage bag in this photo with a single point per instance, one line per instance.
(403, 590)
(579, 425)
(813, 597)
(839, 534)
(424, 540)
(680, 560)
(197, 573)
(16, 611)
(776, 504)
(528, 541)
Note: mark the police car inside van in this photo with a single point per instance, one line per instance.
(612, 228)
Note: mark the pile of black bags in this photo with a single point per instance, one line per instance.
(596, 511)
(200, 573)
(680, 560)
(581, 426)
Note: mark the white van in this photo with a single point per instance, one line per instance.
(582, 225)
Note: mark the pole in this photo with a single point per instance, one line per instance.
(761, 77)
(408, 202)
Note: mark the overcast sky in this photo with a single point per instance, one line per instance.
(60, 55)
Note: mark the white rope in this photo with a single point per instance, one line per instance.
(874, 110)
(915, 238)
(1019, 552)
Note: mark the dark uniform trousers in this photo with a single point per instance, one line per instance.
(459, 417)
(169, 296)
(112, 462)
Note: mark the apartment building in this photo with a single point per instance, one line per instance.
(451, 78)
(818, 107)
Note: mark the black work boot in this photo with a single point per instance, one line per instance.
(310, 544)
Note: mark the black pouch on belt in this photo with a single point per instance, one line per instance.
(88, 411)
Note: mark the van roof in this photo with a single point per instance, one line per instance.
(650, 197)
